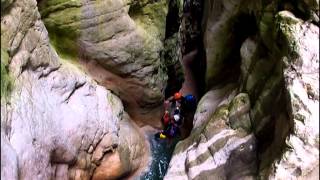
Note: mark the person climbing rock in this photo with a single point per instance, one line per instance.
(172, 118)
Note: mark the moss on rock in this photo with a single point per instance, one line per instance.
(287, 25)
(6, 81)
(62, 20)
(170, 57)
(151, 17)
(239, 112)
(66, 46)
(240, 103)
(266, 26)
(50, 6)
(270, 95)
(222, 112)
(5, 4)
(258, 76)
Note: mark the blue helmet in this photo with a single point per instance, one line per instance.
(190, 102)
(190, 98)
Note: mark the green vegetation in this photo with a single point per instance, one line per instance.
(151, 17)
(62, 20)
(50, 6)
(6, 82)
(64, 42)
(238, 102)
(5, 4)
(221, 112)
(286, 24)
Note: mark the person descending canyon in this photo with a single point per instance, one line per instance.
(173, 117)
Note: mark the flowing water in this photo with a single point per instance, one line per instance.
(161, 150)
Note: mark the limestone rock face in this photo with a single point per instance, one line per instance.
(301, 74)
(214, 149)
(219, 19)
(129, 156)
(118, 42)
(272, 59)
(58, 123)
(285, 101)
(9, 161)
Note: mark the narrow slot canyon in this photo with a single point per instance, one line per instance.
(86, 85)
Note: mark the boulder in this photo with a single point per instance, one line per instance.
(128, 158)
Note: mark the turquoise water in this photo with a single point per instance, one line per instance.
(161, 150)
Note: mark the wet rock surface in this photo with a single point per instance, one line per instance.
(161, 152)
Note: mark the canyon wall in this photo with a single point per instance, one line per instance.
(79, 78)
(259, 115)
(76, 77)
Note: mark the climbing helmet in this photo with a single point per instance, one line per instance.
(177, 96)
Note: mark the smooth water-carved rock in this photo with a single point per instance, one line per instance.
(224, 25)
(247, 51)
(9, 160)
(118, 43)
(58, 123)
(210, 101)
(126, 157)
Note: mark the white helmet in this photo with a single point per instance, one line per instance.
(176, 117)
